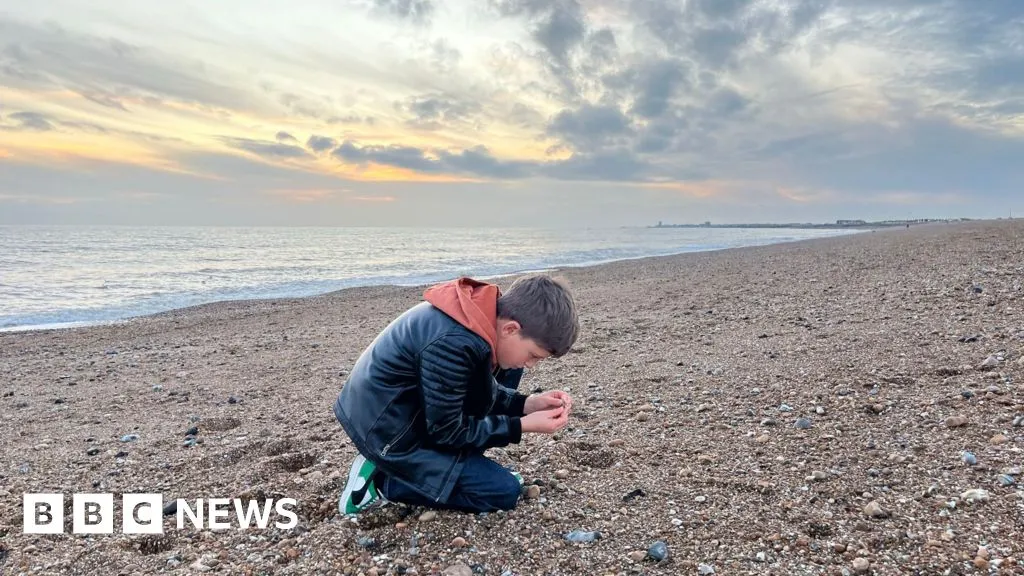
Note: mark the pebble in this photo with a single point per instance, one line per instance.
(861, 565)
(459, 542)
(705, 569)
(561, 474)
(637, 555)
(616, 442)
(459, 569)
(582, 536)
(658, 551)
(129, 437)
(643, 417)
(998, 439)
(428, 516)
(874, 510)
(956, 421)
(818, 476)
(785, 408)
(974, 495)
(819, 410)
(969, 458)
(533, 492)
(803, 423)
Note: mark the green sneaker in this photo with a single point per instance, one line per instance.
(360, 491)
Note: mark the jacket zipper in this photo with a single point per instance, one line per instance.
(384, 451)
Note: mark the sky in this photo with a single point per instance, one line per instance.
(509, 112)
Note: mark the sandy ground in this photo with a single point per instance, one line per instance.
(900, 349)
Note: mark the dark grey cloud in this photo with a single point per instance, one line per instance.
(26, 121)
(265, 148)
(608, 165)
(283, 136)
(321, 143)
(719, 34)
(560, 28)
(475, 162)
(616, 165)
(417, 11)
(436, 111)
(590, 127)
(407, 157)
(656, 84)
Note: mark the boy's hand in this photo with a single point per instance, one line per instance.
(547, 401)
(546, 421)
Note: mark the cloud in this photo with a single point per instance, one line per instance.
(590, 127)
(656, 84)
(266, 149)
(25, 121)
(798, 102)
(560, 28)
(108, 71)
(436, 111)
(320, 143)
(416, 11)
(477, 162)
(350, 119)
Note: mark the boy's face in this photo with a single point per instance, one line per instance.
(515, 350)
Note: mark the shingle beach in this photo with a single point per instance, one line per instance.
(846, 405)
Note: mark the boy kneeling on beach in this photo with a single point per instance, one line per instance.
(438, 387)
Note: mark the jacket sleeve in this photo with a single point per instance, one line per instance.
(447, 366)
(509, 400)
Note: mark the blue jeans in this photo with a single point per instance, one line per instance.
(483, 486)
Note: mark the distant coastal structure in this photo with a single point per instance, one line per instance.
(838, 224)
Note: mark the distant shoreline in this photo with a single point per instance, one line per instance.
(837, 225)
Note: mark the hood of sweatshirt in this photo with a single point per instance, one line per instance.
(472, 303)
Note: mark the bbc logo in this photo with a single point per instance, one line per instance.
(93, 513)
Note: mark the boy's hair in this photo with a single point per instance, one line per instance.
(544, 308)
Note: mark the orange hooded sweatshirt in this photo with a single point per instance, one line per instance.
(472, 303)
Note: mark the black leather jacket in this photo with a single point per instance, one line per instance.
(422, 396)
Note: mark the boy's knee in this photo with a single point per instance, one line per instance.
(510, 492)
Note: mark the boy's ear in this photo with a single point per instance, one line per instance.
(510, 327)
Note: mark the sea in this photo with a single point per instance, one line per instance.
(67, 276)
